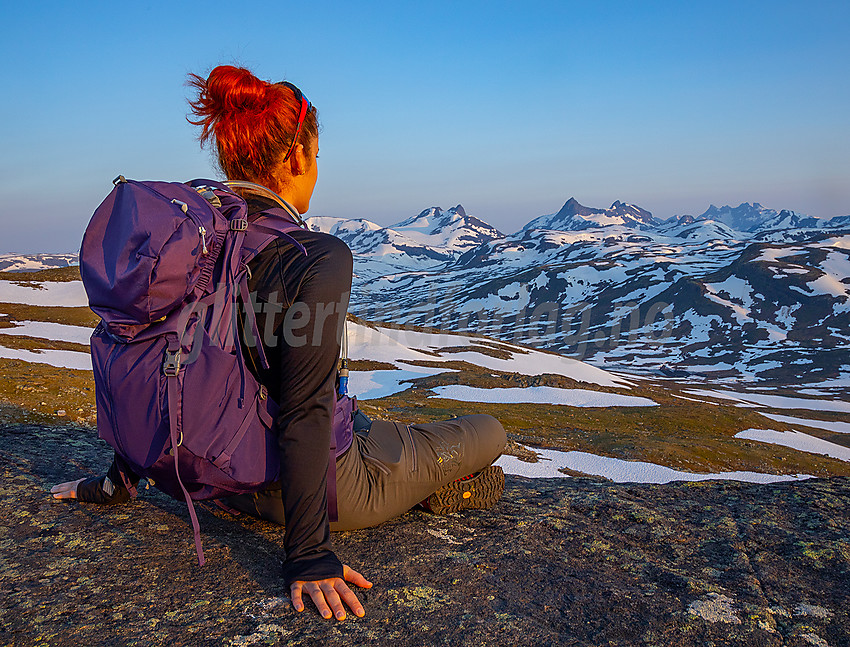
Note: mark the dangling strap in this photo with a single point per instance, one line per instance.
(209, 264)
(248, 304)
(240, 361)
(333, 512)
(171, 368)
(230, 276)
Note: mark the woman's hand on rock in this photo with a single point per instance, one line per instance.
(328, 595)
(67, 490)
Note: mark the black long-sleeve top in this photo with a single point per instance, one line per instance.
(302, 301)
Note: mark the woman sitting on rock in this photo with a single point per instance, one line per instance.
(267, 134)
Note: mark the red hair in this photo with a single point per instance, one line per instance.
(251, 121)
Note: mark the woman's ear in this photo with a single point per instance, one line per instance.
(299, 163)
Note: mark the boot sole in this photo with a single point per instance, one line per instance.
(478, 493)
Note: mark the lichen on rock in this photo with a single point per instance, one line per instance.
(569, 561)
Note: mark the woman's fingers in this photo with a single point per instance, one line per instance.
(354, 577)
(67, 490)
(350, 599)
(296, 591)
(316, 592)
(332, 598)
(295, 595)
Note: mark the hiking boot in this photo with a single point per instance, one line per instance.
(477, 491)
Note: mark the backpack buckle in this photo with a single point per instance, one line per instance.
(171, 363)
(207, 194)
(239, 224)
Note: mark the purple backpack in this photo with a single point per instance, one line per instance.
(164, 265)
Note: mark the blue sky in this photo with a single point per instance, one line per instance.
(509, 108)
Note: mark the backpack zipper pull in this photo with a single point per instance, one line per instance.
(203, 233)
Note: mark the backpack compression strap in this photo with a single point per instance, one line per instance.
(171, 368)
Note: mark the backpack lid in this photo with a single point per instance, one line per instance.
(145, 249)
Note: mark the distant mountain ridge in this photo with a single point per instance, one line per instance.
(35, 262)
(742, 291)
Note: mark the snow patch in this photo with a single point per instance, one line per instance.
(540, 395)
(58, 358)
(827, 425)
(797, 440)
(48, 330)
(622, 471)
(740, 299)
(47, 293)
(369, 343)
(409, 344)
(774, 254)
(776, 401)
(370, 385)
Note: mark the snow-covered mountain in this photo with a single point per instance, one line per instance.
(452, 229)
(743, 291)
(756, 219)
(429, 239)
(744, 217)
(574, 217)
(35, 262)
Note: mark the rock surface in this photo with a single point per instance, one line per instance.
(570, 561)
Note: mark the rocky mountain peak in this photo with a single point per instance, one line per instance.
(572, 207)
(630, 211)
(459, 210)
(574, 216)
(433, 219)
(745, 217)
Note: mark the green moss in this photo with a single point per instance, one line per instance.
(35, 392)
(370, 365)
(817, 553)
(39, 343)
(78, 316)
(56, 274)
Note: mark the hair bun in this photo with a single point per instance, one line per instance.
(229, 93)
(236, 89)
